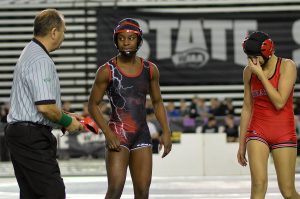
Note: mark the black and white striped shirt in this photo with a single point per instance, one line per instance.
(35, 82)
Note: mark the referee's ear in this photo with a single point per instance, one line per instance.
(53, 33)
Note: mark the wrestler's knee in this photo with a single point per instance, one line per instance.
(260, 185)
(114, 192)
(113, 195)
(287, 190)
(141, 192)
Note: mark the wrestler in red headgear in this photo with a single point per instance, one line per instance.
(267, 118)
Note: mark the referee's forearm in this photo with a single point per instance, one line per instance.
(50, 111)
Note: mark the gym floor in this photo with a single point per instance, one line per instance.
(92, 187)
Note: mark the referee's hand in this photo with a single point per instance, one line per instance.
(75, 126)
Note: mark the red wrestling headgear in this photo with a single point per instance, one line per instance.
(90, 125)
(259, 44)
(128, 25)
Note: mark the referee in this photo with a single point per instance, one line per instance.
(35, 110)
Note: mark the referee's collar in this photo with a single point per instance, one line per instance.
(41, 45)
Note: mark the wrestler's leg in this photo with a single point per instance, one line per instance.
(140, 165)
(258, 154)
(116, 167)
(285, 161)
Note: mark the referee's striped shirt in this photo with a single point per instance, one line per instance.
(35, 82)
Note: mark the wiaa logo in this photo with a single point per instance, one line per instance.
(193, 58)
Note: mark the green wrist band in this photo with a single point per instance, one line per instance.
(65, 120)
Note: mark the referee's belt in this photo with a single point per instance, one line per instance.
(31, 124)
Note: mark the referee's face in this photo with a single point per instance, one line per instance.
(60, 36)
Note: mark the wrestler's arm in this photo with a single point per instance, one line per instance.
(97, 93)
(288, 75)
(245, 117)
(160, 111)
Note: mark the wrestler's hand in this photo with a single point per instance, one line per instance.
(255, 67)
(166, 142)
(241, 155)
(112, 141)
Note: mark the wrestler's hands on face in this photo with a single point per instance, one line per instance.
(254, 63)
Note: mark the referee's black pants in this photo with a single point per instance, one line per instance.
(33, 154)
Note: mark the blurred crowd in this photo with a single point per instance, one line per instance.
(204, 116)
(198, 115)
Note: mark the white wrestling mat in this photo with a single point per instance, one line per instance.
(209, 187)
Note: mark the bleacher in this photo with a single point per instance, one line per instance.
(76, 60)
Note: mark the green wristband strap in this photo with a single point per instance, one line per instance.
(65, 120)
